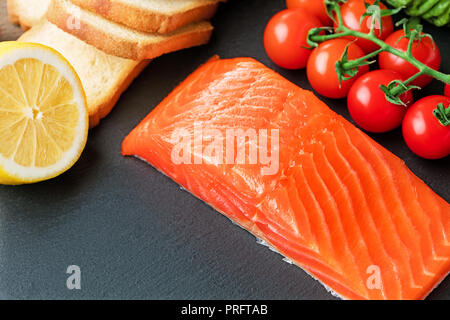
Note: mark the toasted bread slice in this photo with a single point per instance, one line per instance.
(27, 13)
(104, 77)
(12, 12)
(121, 41)
(152, 16)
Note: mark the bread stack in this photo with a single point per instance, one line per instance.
(109, 42)
(27, 13)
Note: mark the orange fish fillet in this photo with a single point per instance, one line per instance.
(339, 205)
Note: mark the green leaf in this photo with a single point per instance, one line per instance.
(394, 90)
(441, 20)
(343, 71)
(410, 25)
(420, 7)
(340, 69)
(442, 114)
(315, 32)
(390, 97)
(439, 9)
(399, 3)
(390, 12)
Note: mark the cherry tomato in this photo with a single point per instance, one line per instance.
(321, 70)
(368, 105)
(315, 7)
(423, 132)
(424, 50)
(352, 12)
(285, 37)
(447, 90)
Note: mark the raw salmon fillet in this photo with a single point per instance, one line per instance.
(339, 205)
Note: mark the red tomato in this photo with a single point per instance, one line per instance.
(424, 50)
(423, 132)
(368, 105)
(285, 37)
(352, 12)
(447, 90)
(315, 7)
(321, 70)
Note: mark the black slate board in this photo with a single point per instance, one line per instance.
(133, 231)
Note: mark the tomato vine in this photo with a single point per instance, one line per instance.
(347, 69)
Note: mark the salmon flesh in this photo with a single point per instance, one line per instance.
(276, 160)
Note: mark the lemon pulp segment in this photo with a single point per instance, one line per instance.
(40, 119)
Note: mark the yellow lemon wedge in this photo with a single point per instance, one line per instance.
(43, 114)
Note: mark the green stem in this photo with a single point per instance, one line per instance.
(325, 37)
(412, 78)
(357, 62)
(410, 43)
(399, 90)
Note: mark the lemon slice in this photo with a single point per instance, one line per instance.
(43, 114)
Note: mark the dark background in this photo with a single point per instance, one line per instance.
(134, 232)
